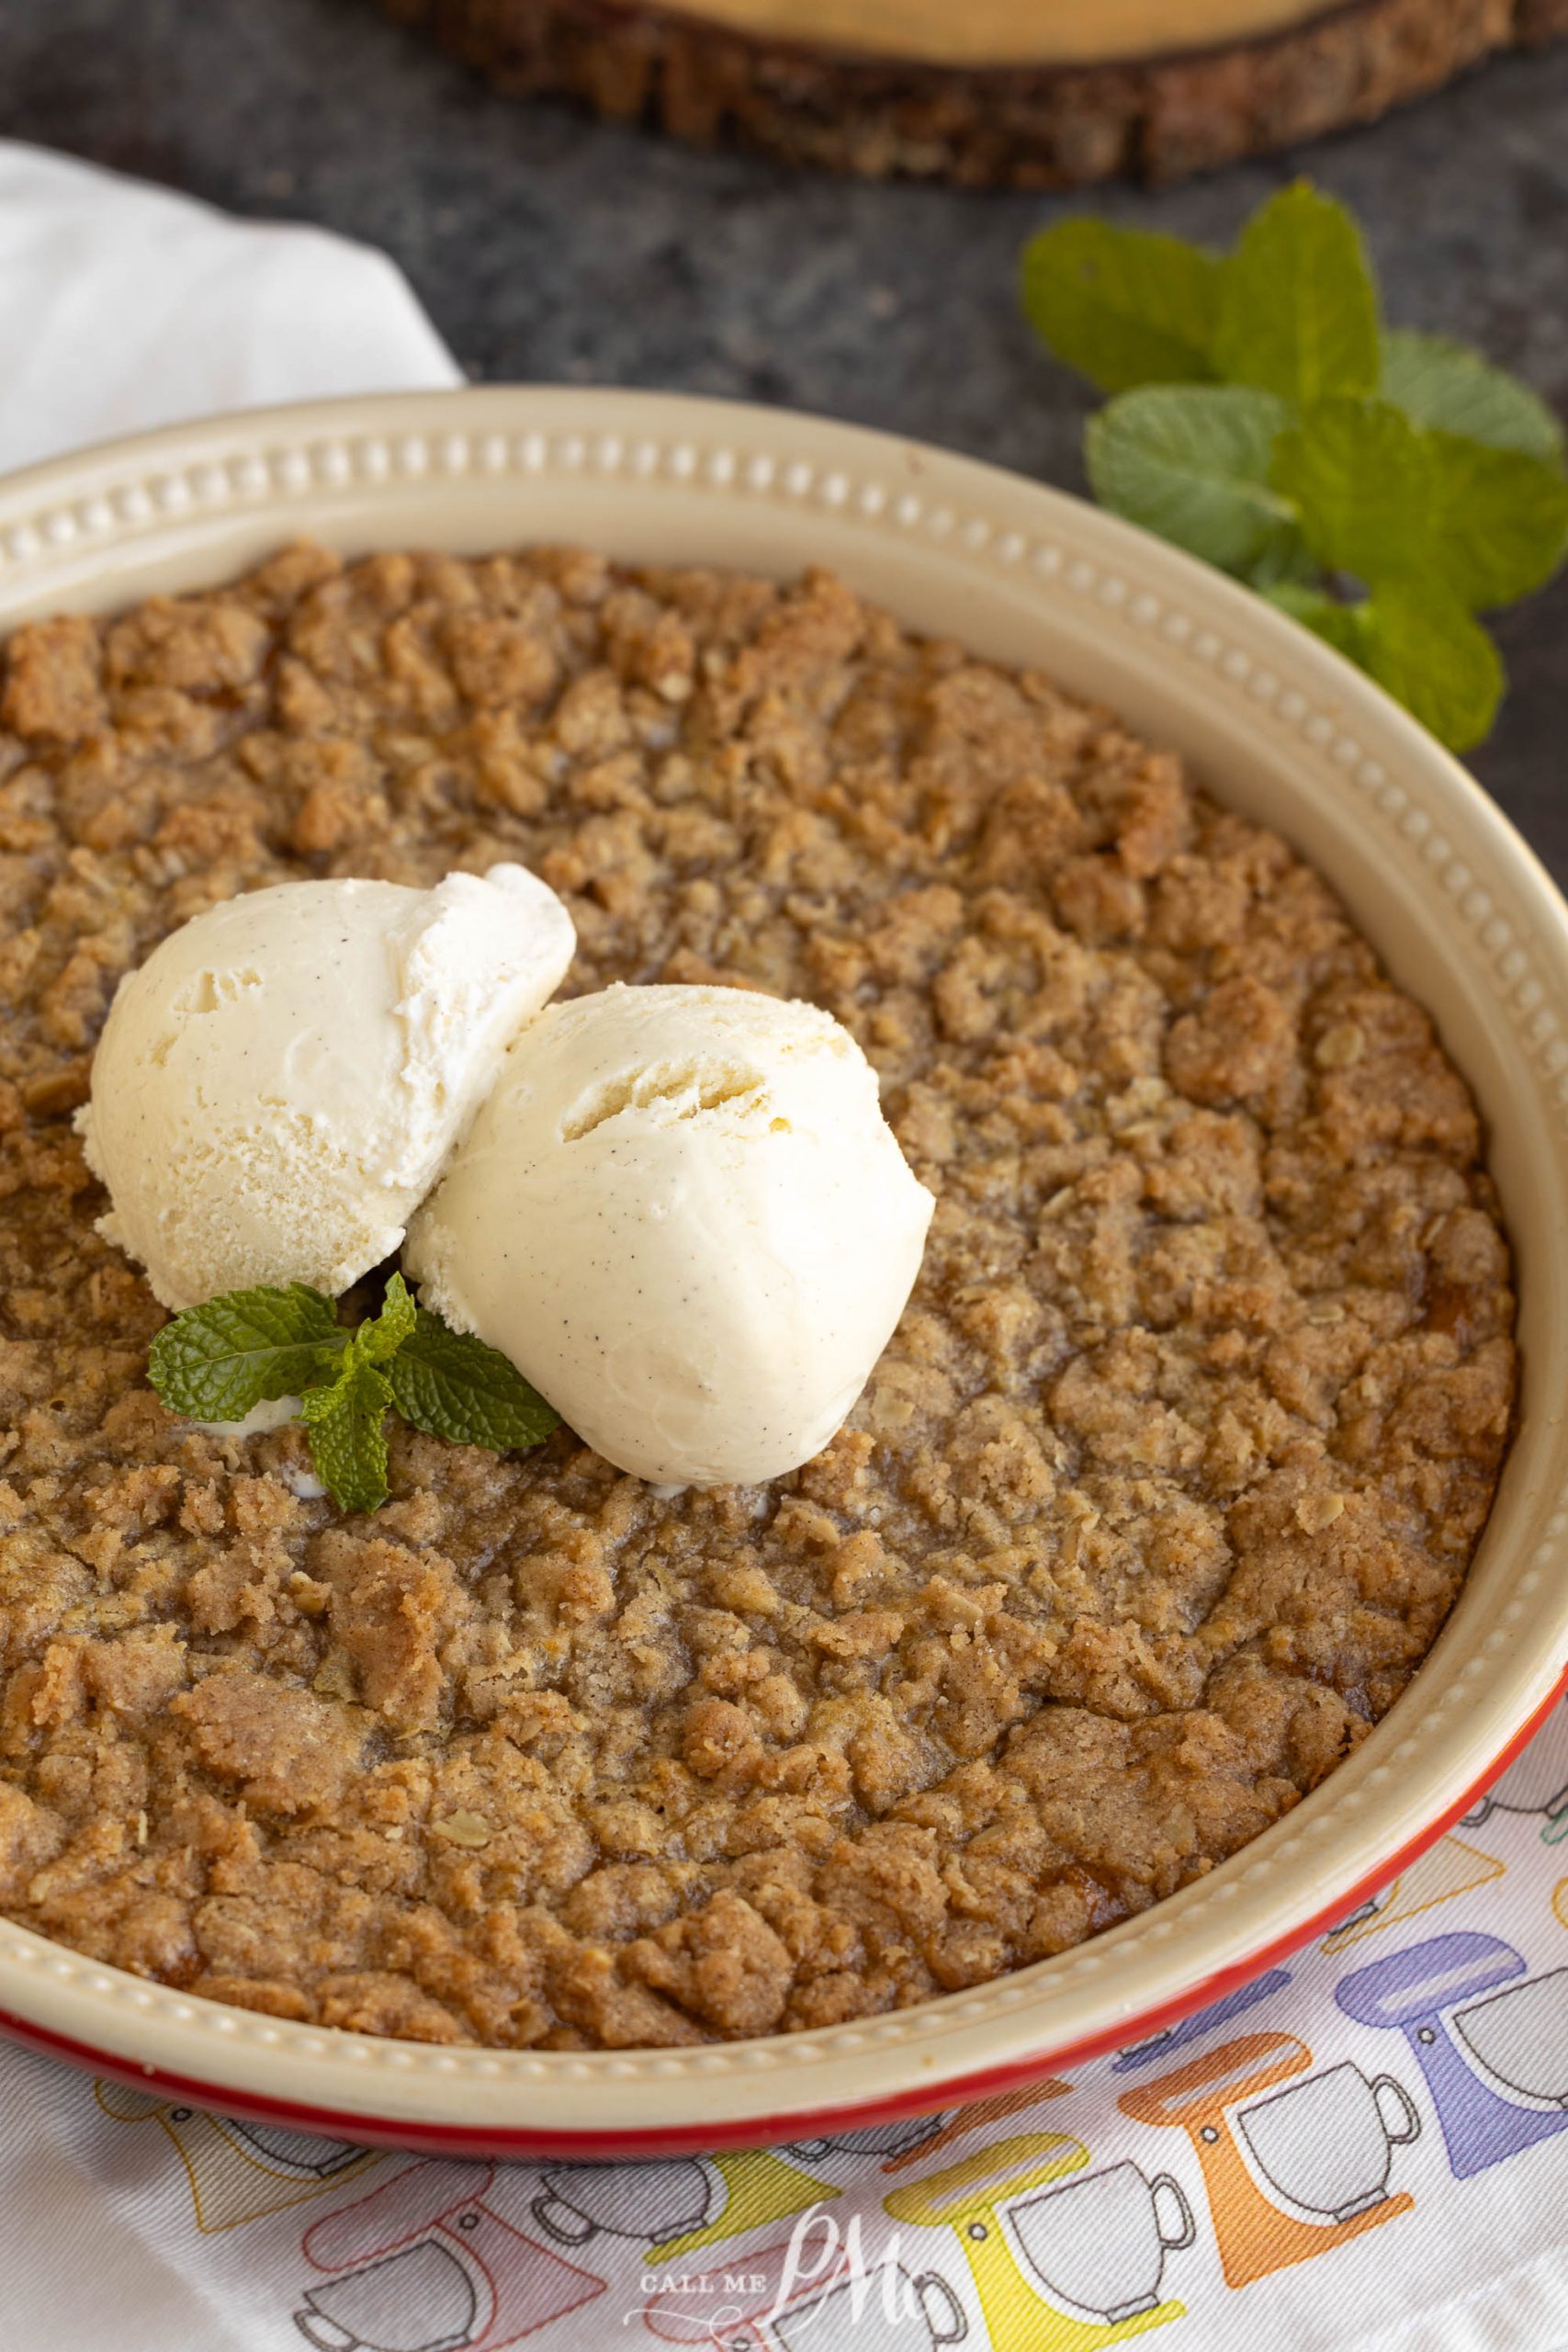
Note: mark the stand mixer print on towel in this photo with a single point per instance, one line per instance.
(1361, 2135)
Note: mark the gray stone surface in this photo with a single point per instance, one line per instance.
(551, 247)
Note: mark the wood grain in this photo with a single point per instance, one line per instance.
(1017, 99)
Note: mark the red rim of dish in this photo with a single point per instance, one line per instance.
(822, 2122)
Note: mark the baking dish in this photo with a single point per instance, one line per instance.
(1272, 722)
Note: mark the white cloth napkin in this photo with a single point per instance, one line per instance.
(1409, 2074)
(123, 306)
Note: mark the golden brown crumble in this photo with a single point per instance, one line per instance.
(1152, 1506)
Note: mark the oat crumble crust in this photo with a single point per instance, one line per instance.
(1152, 1506)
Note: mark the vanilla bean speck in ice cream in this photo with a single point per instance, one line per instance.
(278, 1085)
(682, 1216)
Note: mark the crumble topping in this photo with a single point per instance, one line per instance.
(1152, 1506)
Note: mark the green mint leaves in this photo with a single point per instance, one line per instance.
(379, 1338)
(1382, 486)
(218, 1361)
(1416, 643)
(1298, 309)
(346, 1427)
(451, 1386)
(1120, 306)
(1440, 383)
(1194, 467)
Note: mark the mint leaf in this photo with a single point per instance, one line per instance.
(1298, 313)
(215, 1361)
(1420, 645)
(1121, 306)
(1191, 462)
(381, 1335)
(1424, 648)
(1499, 520)
(1338, 624)
(1363, 482)
(1383, 500)
(453, 1385)
(1452, 389)
(1286, 562)
(348, 1443)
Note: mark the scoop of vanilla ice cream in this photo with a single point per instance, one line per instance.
(682, 1216)
(278, 1086)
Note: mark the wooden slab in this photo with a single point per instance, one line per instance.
(1026, 92)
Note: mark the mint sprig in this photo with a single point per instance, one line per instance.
(217, 1361)
(1382, 486)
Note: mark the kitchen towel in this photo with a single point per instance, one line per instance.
(1364, 2150)
(123, 306)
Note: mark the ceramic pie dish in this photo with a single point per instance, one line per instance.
(1273, 723)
